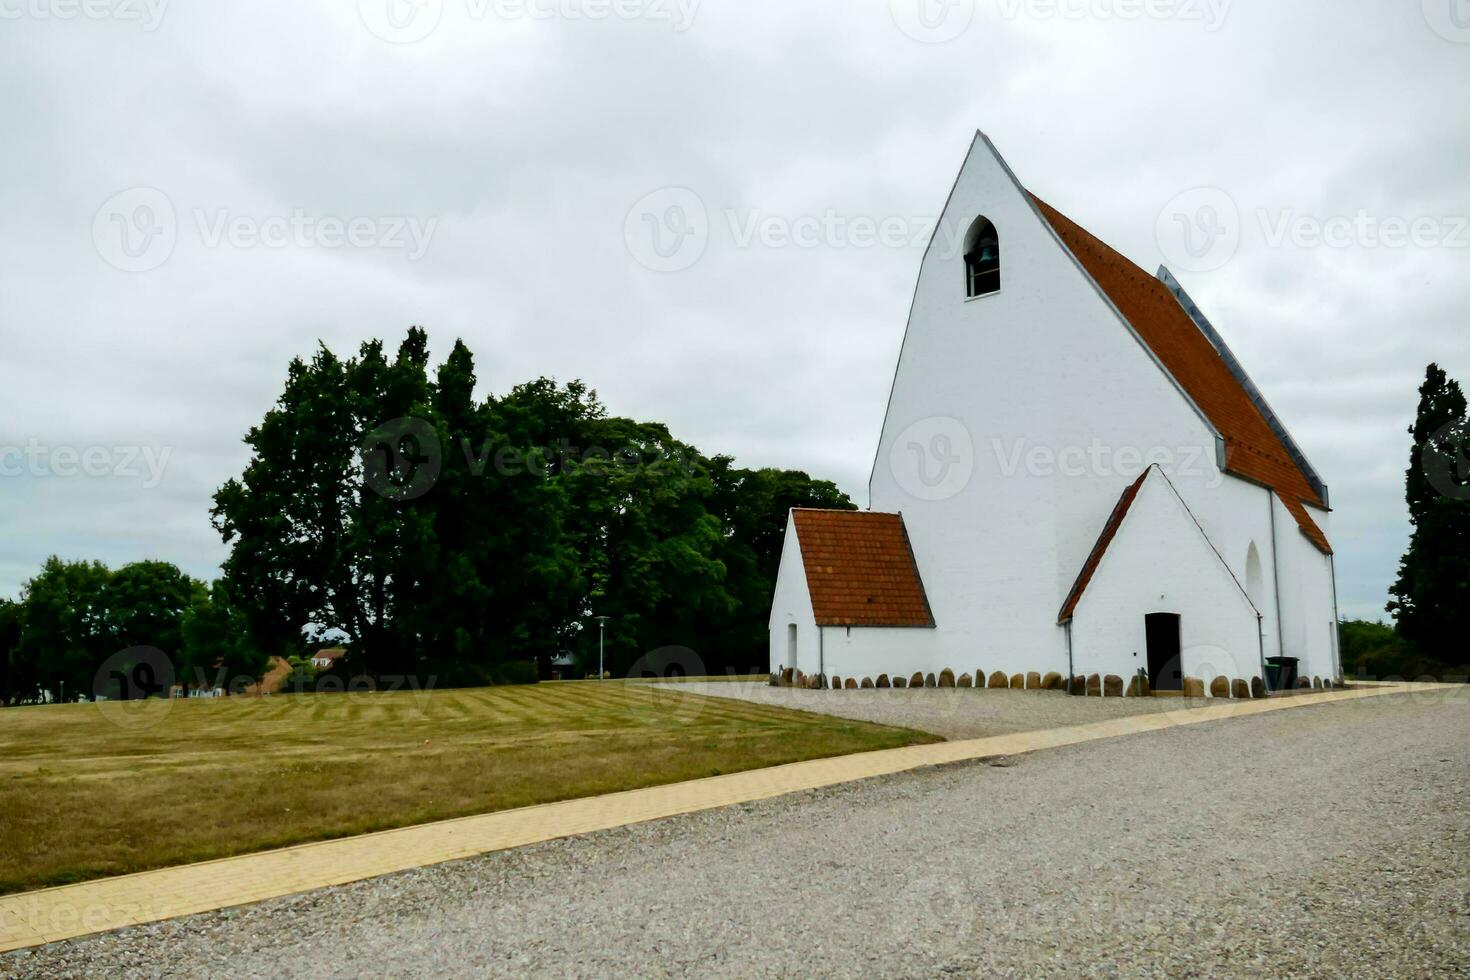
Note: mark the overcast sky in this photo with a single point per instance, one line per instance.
(192, 194)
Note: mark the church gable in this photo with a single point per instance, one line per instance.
(1152, 536)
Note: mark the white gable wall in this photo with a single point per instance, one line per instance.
(1160, 562)
(1044, 366)
(792, 605)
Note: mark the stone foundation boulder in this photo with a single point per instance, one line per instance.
(849, 684)
(1317, 683)
(1051, 681)
(1327, 684)
(867, 683)
(1302, 684)
(1240, 690)
(917, 680)
(930, 681)
(883, 681)
(1033, 681)
(1220, 687)
(998, 679)
(1079, 685)
(1018, 682)
(899, 682)
(1138, 687)
(836, 682)
(1194, 687)
(946, 678)
(1094, 686)
(1112, 686)
(1258, 687)
(788, 677)
(965, 681)
(775, 681)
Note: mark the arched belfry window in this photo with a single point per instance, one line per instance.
(982, 259)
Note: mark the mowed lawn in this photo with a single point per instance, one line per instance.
(89, 790)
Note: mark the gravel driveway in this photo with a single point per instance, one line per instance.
(1322, 841)
(951, 712)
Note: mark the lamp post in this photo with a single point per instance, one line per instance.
(601, 635)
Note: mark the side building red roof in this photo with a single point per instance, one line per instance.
(860, 569)
(1252, 449)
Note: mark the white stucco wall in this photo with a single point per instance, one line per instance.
(1161, 562)
(792, 605)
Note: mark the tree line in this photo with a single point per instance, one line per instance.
(76, 616)
(1431, 595)
(439, 534)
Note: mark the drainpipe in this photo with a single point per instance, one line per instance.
(1261, 642)
(1336, 619)
(822, 652)
(1069, 656)
(1275, 579)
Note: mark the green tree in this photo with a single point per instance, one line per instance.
(216, 647)
(326, 524)
(1431, 598)
(66, 629)
(146, 603)
(17, 680)
(753, 506)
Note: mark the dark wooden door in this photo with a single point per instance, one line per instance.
(1164, 673)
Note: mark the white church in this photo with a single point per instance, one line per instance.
(1077, 485)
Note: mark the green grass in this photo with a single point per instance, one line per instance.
(91, 790)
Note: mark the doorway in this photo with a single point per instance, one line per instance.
(791, 646)
(1165, 673)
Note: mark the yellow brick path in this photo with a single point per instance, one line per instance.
(52, 914)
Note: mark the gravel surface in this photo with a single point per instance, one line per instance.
(1322, 841)
(952, 712)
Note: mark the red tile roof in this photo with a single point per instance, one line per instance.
(1110, 529)
(1252, 449)
(860, 569)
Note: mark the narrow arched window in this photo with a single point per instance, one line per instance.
(982, 259)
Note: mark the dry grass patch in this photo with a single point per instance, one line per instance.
(82, 796)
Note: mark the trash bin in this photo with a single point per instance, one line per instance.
(1281, 673)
